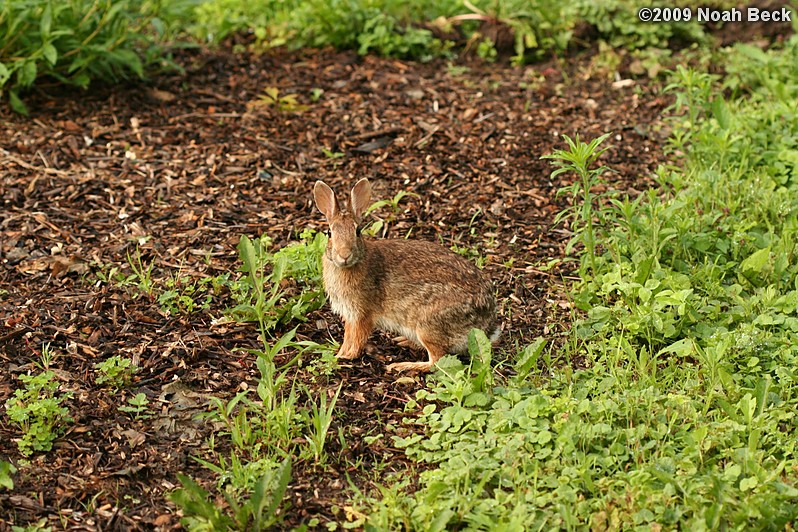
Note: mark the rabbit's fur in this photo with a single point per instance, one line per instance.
(429, 295)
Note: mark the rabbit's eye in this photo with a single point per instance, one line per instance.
(357, 231)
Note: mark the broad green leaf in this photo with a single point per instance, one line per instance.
(721, 112)
(27, 74)
(266, 507)
(752, 52)
(6, 471)
(479, 346)
(17, 104)
(756, 261)
(284, 341)
(529, 356)
(46, 21)
(50, 53)
(4, 75)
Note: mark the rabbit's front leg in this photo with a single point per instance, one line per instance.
(356, 333)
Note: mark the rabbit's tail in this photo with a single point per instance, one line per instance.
(497, 332)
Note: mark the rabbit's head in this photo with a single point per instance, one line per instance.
(345, 247)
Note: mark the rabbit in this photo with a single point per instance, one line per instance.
(426, 293)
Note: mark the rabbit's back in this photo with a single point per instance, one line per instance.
(409, 283)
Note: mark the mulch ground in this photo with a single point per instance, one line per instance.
(180, 167)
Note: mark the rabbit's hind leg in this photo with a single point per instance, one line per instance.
(435, 351)
(404, 341)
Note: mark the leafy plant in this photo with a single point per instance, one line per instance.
(258, 512)
(585, 449)
(38, 412)
(214, 20)
(38, 526)
(322, 363)
(264, 432)
(536, 27)
(270, 97)
(617, 22)
(261, 295)
(47, 356)
(321, 417)
(75, 42)
(381, 224)
(7, 470)
(137, 405)
(115, 371)
(183, 295)
(142, 274)
(332, 154)
(578, 159)
(471, 254)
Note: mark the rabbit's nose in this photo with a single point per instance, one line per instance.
(345, 257)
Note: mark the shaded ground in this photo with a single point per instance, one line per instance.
(182, 168)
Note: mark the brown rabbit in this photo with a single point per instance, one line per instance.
(424, 292)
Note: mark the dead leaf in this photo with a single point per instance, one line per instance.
(375, 144)
(161, 96)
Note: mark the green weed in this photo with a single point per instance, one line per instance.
(618, 24)
(332, 154)
(265, 432)
(115, 371)
(404, 29)
(471, 254)
(184, 295)
(578, 159)
(260, 294)
(142, 274)
(47, 356)
(137, 406)
(38, 412)
(380, 224)
(588, 449)
(321, 417)
(270, 97)
(259, 511)
(38, 526)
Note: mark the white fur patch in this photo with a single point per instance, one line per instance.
(343, 309)
(398, 328)
(494, 337)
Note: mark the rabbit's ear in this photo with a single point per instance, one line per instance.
(361, 198)
(325, 199)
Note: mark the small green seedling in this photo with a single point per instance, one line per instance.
(116, 371)
(138, 406)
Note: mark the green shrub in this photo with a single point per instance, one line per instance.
(76, 41)
(594, 451)
(404, 29)
(213, 20)
(618, 23)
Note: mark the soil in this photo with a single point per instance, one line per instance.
(180, 167)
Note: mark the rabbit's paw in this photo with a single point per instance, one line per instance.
(347, 353)
(401, 367)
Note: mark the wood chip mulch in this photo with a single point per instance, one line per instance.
(179, 168)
